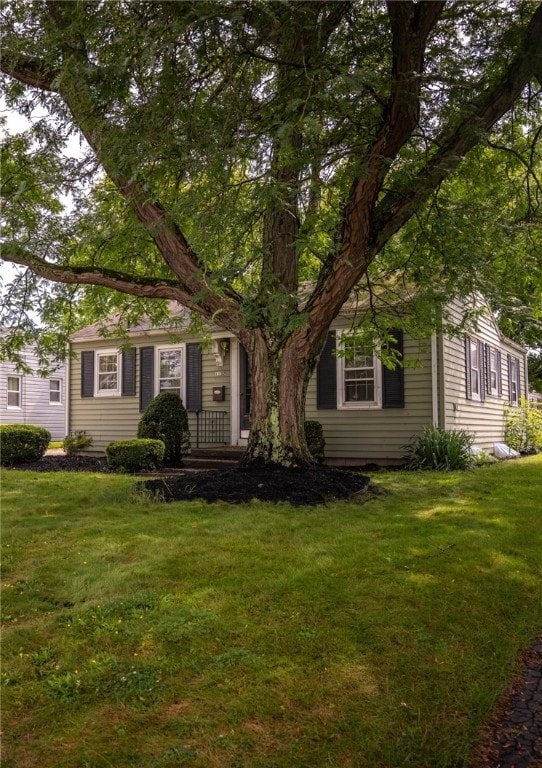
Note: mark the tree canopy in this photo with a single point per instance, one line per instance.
(233, 151)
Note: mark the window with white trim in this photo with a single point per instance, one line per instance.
(514, 381)
(55, 391)
(475, 363)
(107, 373)
(359, 376)
(494, 373)
(14, 391)
(169, 370)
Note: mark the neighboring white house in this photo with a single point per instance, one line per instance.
(367, 411)
(33, 399)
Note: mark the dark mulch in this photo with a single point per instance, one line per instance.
(513, 737)
(309, 485)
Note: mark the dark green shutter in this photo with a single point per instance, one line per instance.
(468, 381)
(146, 377)
(393, 379)
(193, 377)
(326, 376)
(129, 372)
(87, 374)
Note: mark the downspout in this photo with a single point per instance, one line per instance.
(67, 387)
(434, 381)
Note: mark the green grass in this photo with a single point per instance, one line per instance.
(376, 634)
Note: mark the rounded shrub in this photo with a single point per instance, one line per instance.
(20, 443)
(314, 435)
(135, 455)
(166, 419)
(437, 448)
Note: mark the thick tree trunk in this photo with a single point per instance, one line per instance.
(280, 375)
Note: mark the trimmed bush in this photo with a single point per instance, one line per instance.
(314, 435)
(166, 419)
(437, 448)
(135, 455)
(523, 429)
(20, 443)
(73, 445)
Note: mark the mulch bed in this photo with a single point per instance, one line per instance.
(306, 486)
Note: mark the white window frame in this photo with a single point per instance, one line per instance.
(55, 391)
(493, 368)
(476, 362)
(157, 378)
(358, 405)
(515, 378)
(107, 392)
(18, 391)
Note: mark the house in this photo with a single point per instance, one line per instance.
(28, 398)
(368, 412)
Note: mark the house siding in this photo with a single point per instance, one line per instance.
(379, 434)
(483, 419)
(36, 407)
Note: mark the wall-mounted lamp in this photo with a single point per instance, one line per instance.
(220, 348)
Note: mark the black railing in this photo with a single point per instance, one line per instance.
(210, 427)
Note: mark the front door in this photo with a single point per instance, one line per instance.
(245, 388)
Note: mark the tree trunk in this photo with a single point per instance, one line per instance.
(280, 375)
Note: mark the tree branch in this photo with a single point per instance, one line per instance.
(29, 71)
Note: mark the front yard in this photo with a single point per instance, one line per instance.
(370, 634)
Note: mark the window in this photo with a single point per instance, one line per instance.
(513, 368)
(55, 391)
(475, 377)
(359, 382)
(14, 391)
(170, 370)
(494, 371)
(107, 373)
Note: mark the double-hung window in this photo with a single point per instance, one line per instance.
(514, 380)
(494, 371)
(359, 376)
(55, 391)
(14, 391)
(107, 373)
(475, 369)
(170, 370)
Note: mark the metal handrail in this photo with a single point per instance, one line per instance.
(210, 427)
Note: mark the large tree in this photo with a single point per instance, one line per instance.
(235, 149)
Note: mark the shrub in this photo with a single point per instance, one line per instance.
(135, 455)
(314, 435)
(523, 428)
(438, 448)
(166, 419)
(21, 443)
(73, 445)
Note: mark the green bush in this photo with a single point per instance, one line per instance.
(73, 445)
(523, 428)
(314, 435)
(437, 448)
(135, 455)
(166, 419)
(21, 443)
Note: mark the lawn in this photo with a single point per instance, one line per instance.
(377, 633)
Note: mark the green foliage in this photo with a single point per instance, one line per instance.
(166, 419)
(72, 445)
(135, 455)
(443, 449)
(314, 435)
(523, 429)
(21, 443)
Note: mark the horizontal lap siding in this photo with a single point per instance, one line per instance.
(116, 418)
(379, 433)
(484, 420)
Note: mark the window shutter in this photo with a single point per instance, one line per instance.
(499, 372)
(509, 366)
(129, 372)
(193, 377)
(326, 376)
(482, 369)
(87, 374)
(146, 377)
(393, 380)
(487, 368)
(468, 368)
